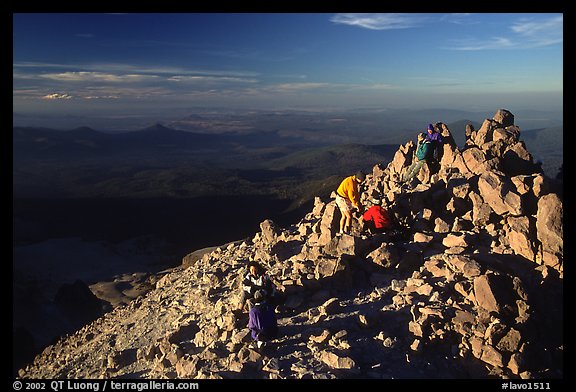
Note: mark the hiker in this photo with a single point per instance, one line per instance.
(348, 198)
(262, 321)
(376, 218)
(256, 279)
(424, 153)
(436, 139)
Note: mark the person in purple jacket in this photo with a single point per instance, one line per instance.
(262, 321)
(436, 139)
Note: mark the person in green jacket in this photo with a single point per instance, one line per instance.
(424, 153)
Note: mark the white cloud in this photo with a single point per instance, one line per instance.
(380, 21)
(96, 77)
(57, 96)
(379, 86)
(459, 19)
(290, 88)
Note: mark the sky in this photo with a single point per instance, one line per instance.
(160, 64)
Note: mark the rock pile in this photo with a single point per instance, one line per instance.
(468, 286)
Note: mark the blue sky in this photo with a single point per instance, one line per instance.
(151, 63)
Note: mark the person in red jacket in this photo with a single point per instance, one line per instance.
(376, 218)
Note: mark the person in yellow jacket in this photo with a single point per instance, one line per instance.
(347, 198)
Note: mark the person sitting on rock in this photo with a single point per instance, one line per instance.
(348, 198)
(256, 279)
(434, 137)
(424, 153)
(262, 321)
(376, 218)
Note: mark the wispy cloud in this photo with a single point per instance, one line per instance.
(36, 80)
(540, 33)
(523, 34)
(320, 87)
(92, 92)
(118, 68)
(394, 21)
(96, 77)
(101, 97)
(472, 44)
(121, 80)
(381, 21)
(452, 82)
(210, 79)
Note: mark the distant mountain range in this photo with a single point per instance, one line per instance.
(156, 161)
(82, 143)
(84, 162)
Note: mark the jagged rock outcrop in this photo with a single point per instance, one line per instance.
(468, 286)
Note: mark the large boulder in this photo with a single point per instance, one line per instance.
(549, 228)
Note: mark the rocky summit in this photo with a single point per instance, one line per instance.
(468, 285)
